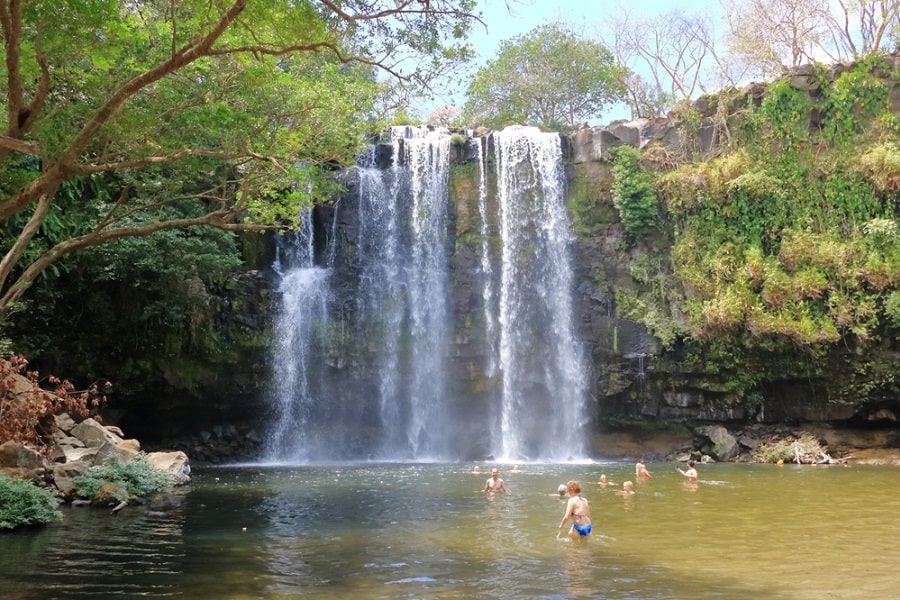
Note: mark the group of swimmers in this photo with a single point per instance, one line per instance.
(577, 508)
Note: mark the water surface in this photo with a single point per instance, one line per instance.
(427, 531)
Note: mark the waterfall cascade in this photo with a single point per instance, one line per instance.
(400, 397)
(543, 406)
(304, 307)
(404, 287)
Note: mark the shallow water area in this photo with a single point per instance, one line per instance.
(427, 531)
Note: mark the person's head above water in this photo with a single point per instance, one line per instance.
(561, 490)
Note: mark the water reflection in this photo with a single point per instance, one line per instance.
(427, 531)
(140, 552)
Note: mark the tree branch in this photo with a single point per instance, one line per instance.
(217, 219)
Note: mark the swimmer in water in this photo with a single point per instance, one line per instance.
(640, 470)
(495, 484)
(690, 472)
(578, 510)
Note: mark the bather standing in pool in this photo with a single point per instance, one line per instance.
(578, 510)
(495, 484)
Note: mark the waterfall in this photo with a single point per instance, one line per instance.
(404, 288)
(543, 410)
(304, 307)
(487, 267)
(396, 384)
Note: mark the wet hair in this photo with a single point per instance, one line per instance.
(690, 463)
(574, 486)
(561, 489)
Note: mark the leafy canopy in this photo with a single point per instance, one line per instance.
(240, 108)
(549, 77)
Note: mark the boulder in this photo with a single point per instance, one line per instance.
(93, 434)
(64, 422)
(114, 430)
(115, 452)
(76, 454)
(64, 474)
(63, 439)
(108, 494)
(718, 442)
(130, 444)
(14, 455)
(176, 463)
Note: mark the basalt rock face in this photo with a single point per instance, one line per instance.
(634, 377)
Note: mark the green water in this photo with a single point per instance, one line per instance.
(426, 531)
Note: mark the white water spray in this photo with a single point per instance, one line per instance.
(405, 288)
(543, 412)
(304, 307)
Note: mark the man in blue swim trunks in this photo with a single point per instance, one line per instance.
(578, 510)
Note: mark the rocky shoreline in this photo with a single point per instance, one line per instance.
(76, 447)
(716, 443)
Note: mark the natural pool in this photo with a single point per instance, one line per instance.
(426, 531)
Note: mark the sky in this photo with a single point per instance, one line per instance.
(524, 15)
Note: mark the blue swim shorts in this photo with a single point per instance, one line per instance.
(583, 530)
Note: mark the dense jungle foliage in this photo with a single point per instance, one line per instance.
(783, 242)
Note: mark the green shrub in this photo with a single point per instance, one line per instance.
(133, 478)
(632, 192)
(881, 165)
(23, 503)
(892, 308)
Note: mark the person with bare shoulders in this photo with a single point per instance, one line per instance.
(690, 472)
(627, 488)
(578, 510)
(604, 481)
(640, 470)
(495, 484)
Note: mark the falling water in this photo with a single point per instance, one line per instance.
(487, 268)
(404, 288)
(398, 400)
(543, 408)
(304, 307)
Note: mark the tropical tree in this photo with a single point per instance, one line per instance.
(234, 111)
(549, 77)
